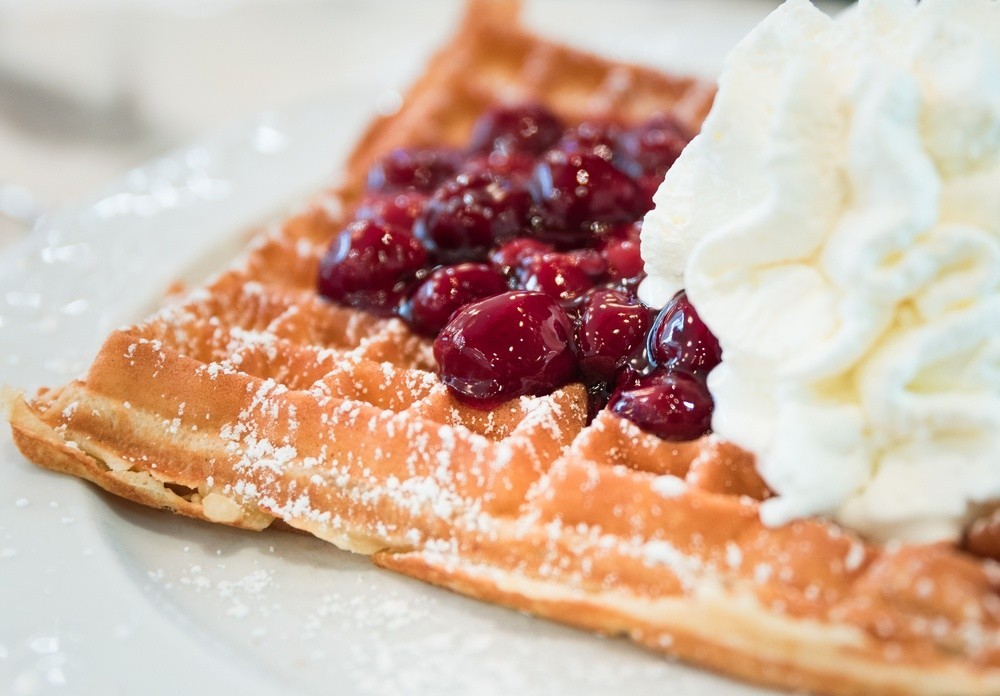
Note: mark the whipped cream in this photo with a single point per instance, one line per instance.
(837, 226)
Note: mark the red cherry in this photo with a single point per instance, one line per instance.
(445, 291)
(515, 166)
(421, 169)
(515, 253)
(398, 209)
(530, 128)
(679, 339)
(505, 346)
(471, 213)
(370, 266)
(623, 259)
(564, 276)
(581, 191)
(612, 327)
(592, 137)
(652, 146)
(673, 405)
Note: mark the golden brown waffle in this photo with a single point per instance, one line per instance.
(253, 401)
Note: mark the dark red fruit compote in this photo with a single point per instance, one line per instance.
(519, 256)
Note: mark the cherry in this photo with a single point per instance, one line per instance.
(612, 327)
(673, 405)
(591, 137)
(519, 128)
(469, 214)
(422, 169)
(398, 209)
(505, 346)
(515, 166)
(370, 266)
(623, 259)
(582, 190)
(564, 276)
(679, 339)
(651, 147)
(515, 253)
(549, 227)
(445, 291)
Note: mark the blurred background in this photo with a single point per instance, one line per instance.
(91, 88)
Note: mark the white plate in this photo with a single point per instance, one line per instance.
(101, 597)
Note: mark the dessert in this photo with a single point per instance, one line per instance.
(302, 386)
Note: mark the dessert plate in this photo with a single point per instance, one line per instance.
(101, 596)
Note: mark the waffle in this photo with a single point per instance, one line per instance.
(252, 402)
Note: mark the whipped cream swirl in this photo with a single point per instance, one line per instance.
(837, 226)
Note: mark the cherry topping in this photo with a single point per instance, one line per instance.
(555, 213)
(674, 405)
(679, 339)
(592, 137)
(630, 230)
(612, 328)
(422, 169)
(516, 166)
(446, 290)
(370, 266)
(505, 346)
(521, 128)
(517, 252)
(581, 190)
(469, 214)
(398, 209)
(564, 276)
(651, 147)
(623, 259)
